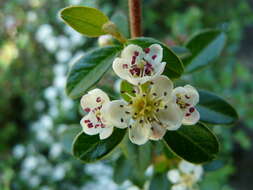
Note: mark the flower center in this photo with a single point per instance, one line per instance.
(145, 105)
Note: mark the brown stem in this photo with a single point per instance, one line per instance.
(135, 17)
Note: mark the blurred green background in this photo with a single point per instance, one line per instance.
(36, 50)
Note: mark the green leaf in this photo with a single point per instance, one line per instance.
(68, 136)
(174, 67)
(90, 148)
(181, 52)
(205, 47)
(196, 143)
(87, 71)
(122, 170)
(85, 20)
(159, 181)
(215, 110)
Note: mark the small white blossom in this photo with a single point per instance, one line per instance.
(186, 98)
(95, 122)
(138, 66)
(150, 112)
(186, 176)
(105, 40)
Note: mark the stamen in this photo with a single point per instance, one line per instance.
(188, 97)
(127, 112)
(86, 121)
(165, 93)
(121, 106)
(87, 109)
(165, 107)
(154, 94)
(187, 114)
(125, 66)
(147, 50)
(98, 99)
(192, 109)
(154, 57)
(130, 126)
(141, 121)
(90, 125)
(136, 53)
(122, 120)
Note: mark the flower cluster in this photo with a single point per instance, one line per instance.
(186, 176)
(155, 106)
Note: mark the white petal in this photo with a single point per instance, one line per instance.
(115, 113)
(155, 54)
(179, 187)
(186, 167)
(130, 51)
(157, 131)
(121, 68)
(174, 176)
(171, 116)
(193, 93)
(198, 172)
(162, 87)
(105, 132)
(88, 128)
(141, 80)
(139, 133)
(93, 99)
(191, 119)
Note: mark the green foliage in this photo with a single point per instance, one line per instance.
(86, 20)
(90, 148)
(87, 71)
(126, 89)
(159, 181)
(196, 143)
(215, 110)
(205, 47)
(174, 67)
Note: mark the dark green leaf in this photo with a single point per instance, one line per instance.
(87, 71)
(174, 67)
(90, 148)
(159, 181)
(205, 47)
(86, 20)
(181, 52)
(122, 170)
(68, 136)
(196, 143)
(215, 110)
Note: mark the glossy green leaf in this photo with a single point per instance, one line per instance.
(174, 67)
(181, 52)
(215, 110)
(85, 20)
(196, 143)
(87, 71)
(205, 47)
(90, 148)
(68, 136)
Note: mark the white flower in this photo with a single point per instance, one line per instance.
(105, 40)
(186, 98)
(138, 66)
(150, 112)
(94, 122)
(186, 176)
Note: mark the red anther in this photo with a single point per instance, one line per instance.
(147, 50)
(187, 104)
(192, 109)
(102, 125)
(136, 53)
(188, 97)
(98, 99)
(97, 125)
(87, 121)
(154, 56)
(187, 114)
(87, 109)
(90, 125)
(125, 66)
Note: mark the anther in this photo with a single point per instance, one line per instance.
(122, 120)
(154, 94)
(141, 121)
(165, 93)
(130, 126)
(121, 106)
(127, 112)
(165, 107)
(157, 110)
